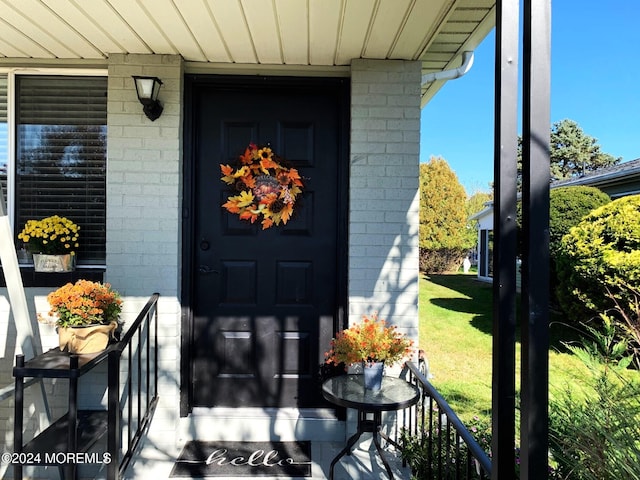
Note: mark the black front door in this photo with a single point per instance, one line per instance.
(265, 302)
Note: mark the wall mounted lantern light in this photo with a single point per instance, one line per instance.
(147, 89)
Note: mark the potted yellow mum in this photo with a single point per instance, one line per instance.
(86, 314)
(52, 241)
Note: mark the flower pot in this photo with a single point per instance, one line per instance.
(372, 372)
(89, 339)
(54, 263)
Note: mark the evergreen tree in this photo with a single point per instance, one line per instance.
(572, 152)
(443, 217)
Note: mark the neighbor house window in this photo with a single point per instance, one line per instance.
(485, 255)
(61, 156)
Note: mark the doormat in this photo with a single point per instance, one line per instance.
(243, 459)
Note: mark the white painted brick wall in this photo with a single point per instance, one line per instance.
(144, 185)
(383, 229)
(144, 178)
(144, 199)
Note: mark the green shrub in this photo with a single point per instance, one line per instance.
(597, 257)
(435, 455)
(626, 317)
(442, 260)
(569, 205)
(594, 423)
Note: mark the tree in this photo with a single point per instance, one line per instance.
(443, 218)
(572, 152)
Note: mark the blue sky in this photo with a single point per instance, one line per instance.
(595, 80)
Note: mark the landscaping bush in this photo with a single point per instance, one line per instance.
(626, 317)
(594, 423)
(598, 257)
(442, 260)
(567, 207)
(435, 455)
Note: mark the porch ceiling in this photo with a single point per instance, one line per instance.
(248, 32)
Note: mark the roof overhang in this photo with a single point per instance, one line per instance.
(246, 35)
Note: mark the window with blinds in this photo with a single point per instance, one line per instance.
(4, 136)
(61, 155)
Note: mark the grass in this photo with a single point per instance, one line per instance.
(456, 315)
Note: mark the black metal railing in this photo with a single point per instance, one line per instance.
(448, 449)
(133, 388)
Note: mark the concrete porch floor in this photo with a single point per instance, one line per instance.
(363, 463)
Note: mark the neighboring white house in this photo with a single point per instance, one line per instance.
(616, 181)
(485, 242)
(335, 87)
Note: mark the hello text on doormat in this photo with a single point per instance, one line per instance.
(243, 459)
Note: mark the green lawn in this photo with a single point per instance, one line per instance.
(455, 333)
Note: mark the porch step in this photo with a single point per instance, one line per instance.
(261, 424)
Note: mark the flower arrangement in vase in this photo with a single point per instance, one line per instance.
(371, 342)
(87, 315)
(52, 241)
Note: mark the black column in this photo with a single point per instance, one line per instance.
(534, 324)
(504, 224)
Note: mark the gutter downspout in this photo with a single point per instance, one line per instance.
(467, 62)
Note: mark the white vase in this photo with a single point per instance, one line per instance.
(372, 372)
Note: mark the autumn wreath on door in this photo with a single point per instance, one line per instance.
(267, 189)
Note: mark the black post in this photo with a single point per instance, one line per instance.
(148, 373)
(70, 471)
(114, 415)
(129, 394)
(534, 429)
(18, 412)
(139, 394)
(155, 350)
(504, 253)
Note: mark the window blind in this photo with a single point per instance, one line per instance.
(4, 132)
(61, 155)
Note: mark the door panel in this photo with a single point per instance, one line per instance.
(265, 301)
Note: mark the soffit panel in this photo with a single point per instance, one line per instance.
(351, 40)
(315, 33)
(421, 24)
(293, 25)
(144, 24)
(170, 27)
(325, 21)
(234, 30)
(87, 25)
(203, 25)
(264, 32)
(388, 20)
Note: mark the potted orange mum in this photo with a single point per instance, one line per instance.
(87, 315)
(372, 343)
